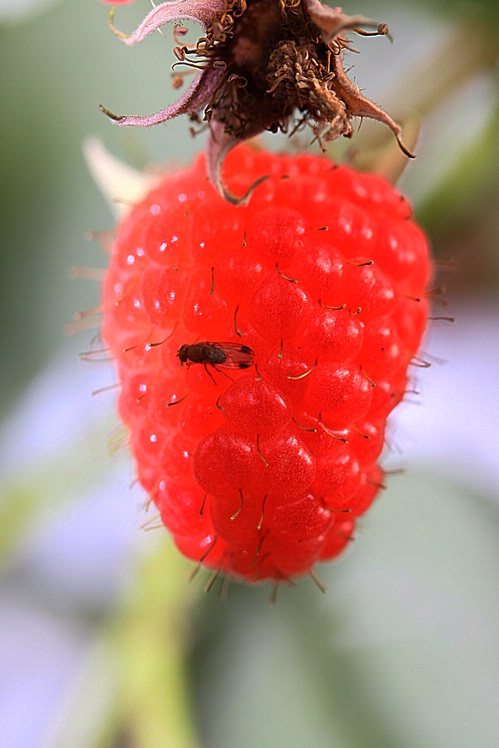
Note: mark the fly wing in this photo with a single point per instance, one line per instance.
(237, 356)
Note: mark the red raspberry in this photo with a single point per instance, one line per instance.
(261, 456)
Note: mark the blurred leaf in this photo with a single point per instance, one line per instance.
(150, 639)
(483, 8)
(20, 10)
(131, 687)
(402, 650)
(30, 501)
(461, 190)
(87, 716)
(56, 443)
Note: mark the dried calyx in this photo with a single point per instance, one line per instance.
(263, 65)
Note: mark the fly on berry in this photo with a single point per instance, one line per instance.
(225, 355)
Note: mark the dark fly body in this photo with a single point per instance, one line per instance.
(218, 355)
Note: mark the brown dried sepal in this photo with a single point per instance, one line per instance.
(265, 65)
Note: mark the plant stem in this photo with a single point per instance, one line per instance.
(151, 638)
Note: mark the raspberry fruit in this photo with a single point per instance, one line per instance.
(260, 447)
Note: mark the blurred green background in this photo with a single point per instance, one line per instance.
(403, 651)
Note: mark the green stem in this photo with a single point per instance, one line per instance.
(151, 641)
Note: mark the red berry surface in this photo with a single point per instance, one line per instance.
(260, 466)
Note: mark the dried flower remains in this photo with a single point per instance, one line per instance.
(271, 65)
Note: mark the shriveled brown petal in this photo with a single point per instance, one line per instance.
(358, 106)
(195, 98)
(199, 11)
(332, 21)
